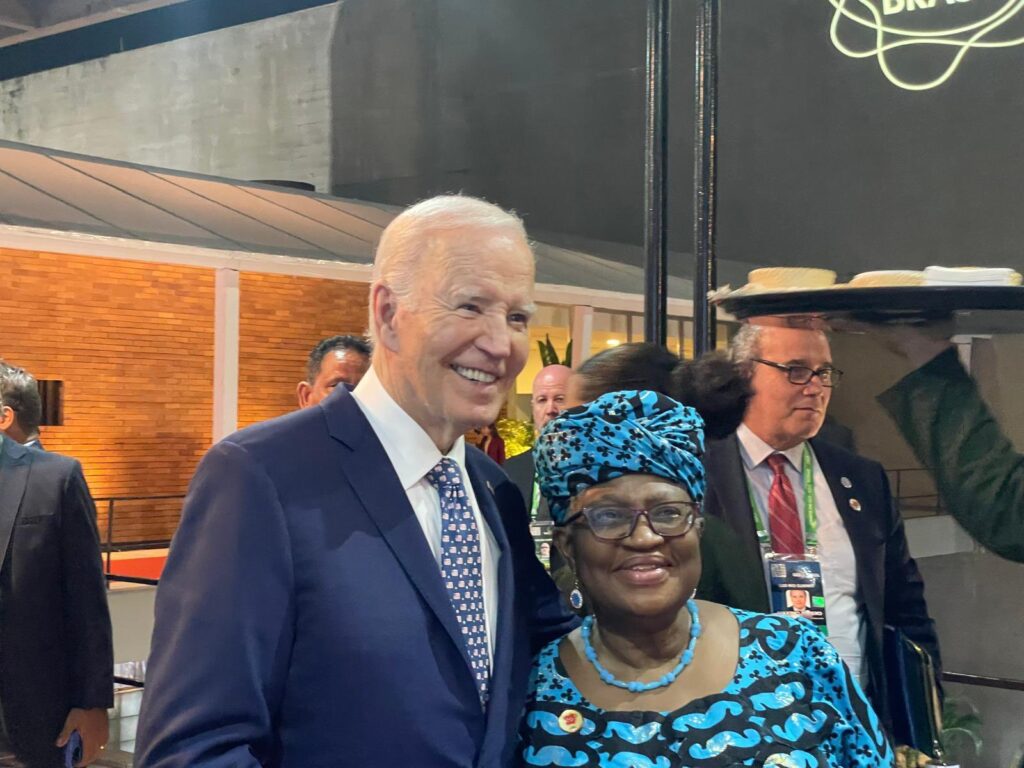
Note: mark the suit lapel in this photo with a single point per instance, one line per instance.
(728, 489)
(14, 466)
(858, 523)
(372, 476)
(501, 664)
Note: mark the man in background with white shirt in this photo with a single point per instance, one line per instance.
(351, 584)
(785, 492)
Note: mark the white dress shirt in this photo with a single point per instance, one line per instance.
(413, 454)
(847, 630)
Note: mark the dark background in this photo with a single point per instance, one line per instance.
(539, 106)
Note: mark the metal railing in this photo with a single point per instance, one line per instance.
(921, 504)
(1003, 683)
(110, 502)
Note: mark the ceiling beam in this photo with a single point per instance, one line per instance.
(15, 15)
(60, 17)
(56, 13)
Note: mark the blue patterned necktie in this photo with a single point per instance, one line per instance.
(461, 568)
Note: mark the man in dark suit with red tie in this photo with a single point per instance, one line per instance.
(785, 492)
(351, 584)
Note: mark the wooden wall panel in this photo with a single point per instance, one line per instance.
(133, 344)
(282, 318)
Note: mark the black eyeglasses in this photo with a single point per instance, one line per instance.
(801, 374)
(668, 520)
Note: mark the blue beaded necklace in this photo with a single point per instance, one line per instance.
(637, 687)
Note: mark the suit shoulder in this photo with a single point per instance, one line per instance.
(718, 451)
(54, 463)
(481, 464)
(519, 461)
(721, 444)
(836, 454)
(292, 429)
(483, 468)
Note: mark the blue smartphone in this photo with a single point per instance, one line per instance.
(73, 750)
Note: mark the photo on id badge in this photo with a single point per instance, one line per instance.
(796, 589)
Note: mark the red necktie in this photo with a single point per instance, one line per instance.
(787, 537)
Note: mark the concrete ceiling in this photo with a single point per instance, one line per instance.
(22, 20)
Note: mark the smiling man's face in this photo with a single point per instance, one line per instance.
(458, 343)
(781, 413)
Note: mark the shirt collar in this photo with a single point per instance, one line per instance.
(754, 450)
(406, 443)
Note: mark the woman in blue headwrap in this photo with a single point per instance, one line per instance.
(654, 677)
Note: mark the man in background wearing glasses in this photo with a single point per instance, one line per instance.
(784, 491)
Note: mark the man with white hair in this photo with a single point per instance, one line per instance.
(351, 584)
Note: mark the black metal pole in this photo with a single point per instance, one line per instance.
(655, 173)
(110, 532)
(705, 174)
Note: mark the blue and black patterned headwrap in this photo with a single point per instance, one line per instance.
(621, 433)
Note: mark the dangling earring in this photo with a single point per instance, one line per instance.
(576, 596)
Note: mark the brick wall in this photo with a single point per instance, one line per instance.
(282, 318)
(133, 344)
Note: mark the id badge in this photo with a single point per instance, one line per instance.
(541, 532)
(795, 587)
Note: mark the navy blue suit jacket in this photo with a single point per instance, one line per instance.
(301, 619)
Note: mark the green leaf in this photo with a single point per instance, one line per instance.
(568, 354)
(548, 356)
(953, 736)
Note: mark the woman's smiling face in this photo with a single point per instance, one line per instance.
(644, 574)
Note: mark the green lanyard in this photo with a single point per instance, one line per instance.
(535, 501)
(810, 507)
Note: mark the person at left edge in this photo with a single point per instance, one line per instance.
(303, 619)
(22, 409)
(56, 647)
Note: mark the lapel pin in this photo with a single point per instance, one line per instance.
(845, 482)
(570, 721)
(490, 487)
(855, 505)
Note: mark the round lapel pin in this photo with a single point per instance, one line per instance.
(570, 721)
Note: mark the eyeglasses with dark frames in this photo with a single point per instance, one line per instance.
(801, 374)
(614, 523)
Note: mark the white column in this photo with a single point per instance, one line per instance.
(225, 353)
(582, 329)
(963, 348)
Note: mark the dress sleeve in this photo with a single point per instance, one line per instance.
(859, 741)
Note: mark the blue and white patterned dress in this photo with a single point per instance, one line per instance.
(792, 703)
